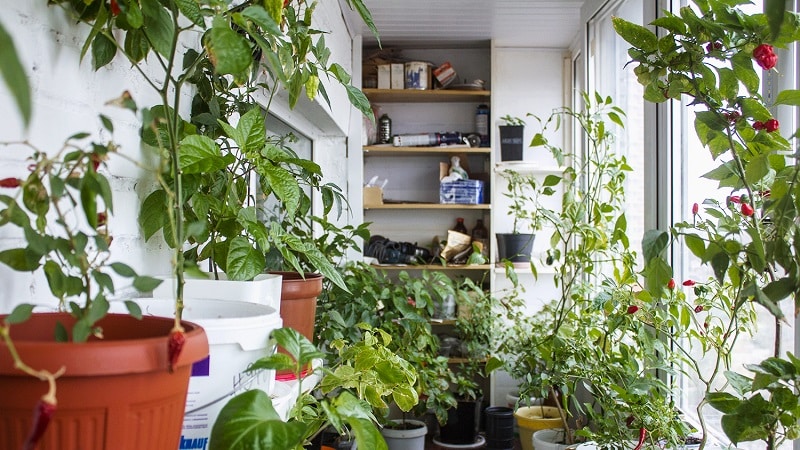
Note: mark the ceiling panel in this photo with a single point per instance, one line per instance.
(517, 23)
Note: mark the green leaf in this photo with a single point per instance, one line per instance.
(133, 309)
(252, 131)
(367, 434)
(229, 51)
(158, 26)
(103, 50)
(145, 283)
(250, 421)
(788, 97)
(20, 259)
(244, 261)
(636, 35)
(20, 314)
(696, 245)
(123, 269)
(654, 243)
(296, 345)
(723, 401)
(200, 154)
(191, 9)
(153, 213)
(755, 109)
(14, 75)
(286, 188)
(261, 17)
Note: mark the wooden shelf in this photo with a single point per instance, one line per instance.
(433, 267)
(423, 96)
(528, 167)
(428, 206)
(390, 150)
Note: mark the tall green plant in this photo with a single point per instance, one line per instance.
(708, 55)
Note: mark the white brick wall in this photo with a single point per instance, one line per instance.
(68, 96)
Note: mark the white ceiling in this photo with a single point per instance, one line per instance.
(513, 23)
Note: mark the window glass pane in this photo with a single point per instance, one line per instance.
(608, 53)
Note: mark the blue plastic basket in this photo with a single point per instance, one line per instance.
(466, 192)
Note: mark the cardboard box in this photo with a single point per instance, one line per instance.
(373, 196)
(384, 76)
(398, 76)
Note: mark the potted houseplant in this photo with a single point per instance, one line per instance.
(524, 191)
(365, 375)
(64, 208)
(595, 358)
(511, 138)
(748, 239)
(150, 30)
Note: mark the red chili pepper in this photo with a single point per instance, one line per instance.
(772, 125)
(698, 308)
(689, 283)
(114, 8)
(101, 219)
(642, 436)
(695, 208)
(174, 347)
(747, 210)
(732, 116)
(713, 46)
(734, 199)
(765, 56)
(44, 411)
(632, 309)
(10, 182)
(758, 125)
(411, 302)
(671, 284)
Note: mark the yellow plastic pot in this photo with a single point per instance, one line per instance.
(531, 419)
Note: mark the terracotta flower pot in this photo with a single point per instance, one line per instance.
(116, 393)
(299, 294)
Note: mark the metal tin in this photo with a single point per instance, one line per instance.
(418, 75)
(384, 129)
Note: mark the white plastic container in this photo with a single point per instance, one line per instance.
(238, 334)
(265, 289)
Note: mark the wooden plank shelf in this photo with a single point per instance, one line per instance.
(452, 206)
(424, 96)
(390, 150)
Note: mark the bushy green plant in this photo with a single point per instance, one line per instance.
(708, 55)
(366, 374)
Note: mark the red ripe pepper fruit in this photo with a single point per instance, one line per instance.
(10, 182)
(747, 210)
(671, 284)
(772, 125)
(698, 308)
(765, 56)
(695, 209)
(632, 309)
(175, 346)
(642, 437)
(114, 8)
(689, 283)
(44, 411)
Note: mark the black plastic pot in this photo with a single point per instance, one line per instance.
(515, 247)
(462, 423)
(499, 428)
(511, 143)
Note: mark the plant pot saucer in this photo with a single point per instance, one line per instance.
(479, 443)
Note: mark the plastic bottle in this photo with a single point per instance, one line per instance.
(460, 225)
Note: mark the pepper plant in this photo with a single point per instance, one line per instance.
(709, 54)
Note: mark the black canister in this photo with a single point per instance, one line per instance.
(499, 428)
(385, 129)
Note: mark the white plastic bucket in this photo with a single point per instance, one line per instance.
(238, 334)
(265, 289)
